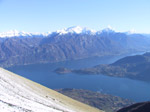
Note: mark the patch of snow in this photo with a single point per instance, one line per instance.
(132, 31)
(16, 96)
(109, 29)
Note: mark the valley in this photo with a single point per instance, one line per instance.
(74, 56)
(44, 58)
(123, 87)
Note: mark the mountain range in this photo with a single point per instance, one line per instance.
(20, 48)
(72, 30)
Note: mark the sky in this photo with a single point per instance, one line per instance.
(51, 15)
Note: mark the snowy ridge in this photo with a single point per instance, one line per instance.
(21, 95)
(76, 30)
(15, 33)
(70, 30)
(109, 29)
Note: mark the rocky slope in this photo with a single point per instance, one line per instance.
(18, 94)
(101, 101)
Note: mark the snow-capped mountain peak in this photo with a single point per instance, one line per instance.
(76, 30)
(70, 30)
(109, 29)
(14, 33)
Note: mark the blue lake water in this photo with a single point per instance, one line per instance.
(123, 87)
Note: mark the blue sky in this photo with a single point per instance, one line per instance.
(50, 15)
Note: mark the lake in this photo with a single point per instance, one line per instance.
(123, 87)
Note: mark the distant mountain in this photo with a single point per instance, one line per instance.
(134, 67)
(15, 33)
(70, 30)
(76, 30)
(18, 94)
(18, 48)
(101, 101)
(138, 107)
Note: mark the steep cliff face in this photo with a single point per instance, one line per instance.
(21, 95)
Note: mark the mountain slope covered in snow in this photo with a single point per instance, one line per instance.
(21, 95)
